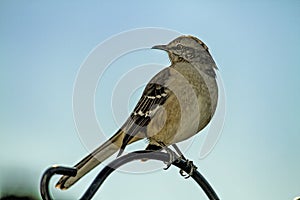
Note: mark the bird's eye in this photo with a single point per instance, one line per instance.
(179, 47)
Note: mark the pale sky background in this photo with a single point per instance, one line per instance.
(256, 46)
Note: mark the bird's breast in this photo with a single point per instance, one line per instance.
(189, 107)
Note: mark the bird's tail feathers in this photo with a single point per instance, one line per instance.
(92, 160)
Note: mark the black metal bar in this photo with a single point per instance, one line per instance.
(199, 178)
(44, 185)
(106, 171)
(137, 155)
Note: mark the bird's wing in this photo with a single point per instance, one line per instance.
(152, 98)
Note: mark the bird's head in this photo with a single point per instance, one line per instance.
(188, 49)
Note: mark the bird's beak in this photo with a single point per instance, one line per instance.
(161, 47)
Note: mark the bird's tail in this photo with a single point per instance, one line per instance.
(92, 160)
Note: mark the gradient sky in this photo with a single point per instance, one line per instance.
(256, 46)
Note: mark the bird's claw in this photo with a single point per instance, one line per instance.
(168, 166)
(172, 156)
(192, 167)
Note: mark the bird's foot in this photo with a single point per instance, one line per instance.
(173, 156)
(192, 169)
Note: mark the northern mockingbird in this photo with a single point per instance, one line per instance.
(176, 104)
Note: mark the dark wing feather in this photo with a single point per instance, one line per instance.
(153, 96)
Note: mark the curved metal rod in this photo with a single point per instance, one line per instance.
(137, 155)
(44, 185)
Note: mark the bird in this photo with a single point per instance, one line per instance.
(176, 104)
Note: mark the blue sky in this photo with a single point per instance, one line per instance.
(255, 44)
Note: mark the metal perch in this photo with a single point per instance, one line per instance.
(106, 171)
